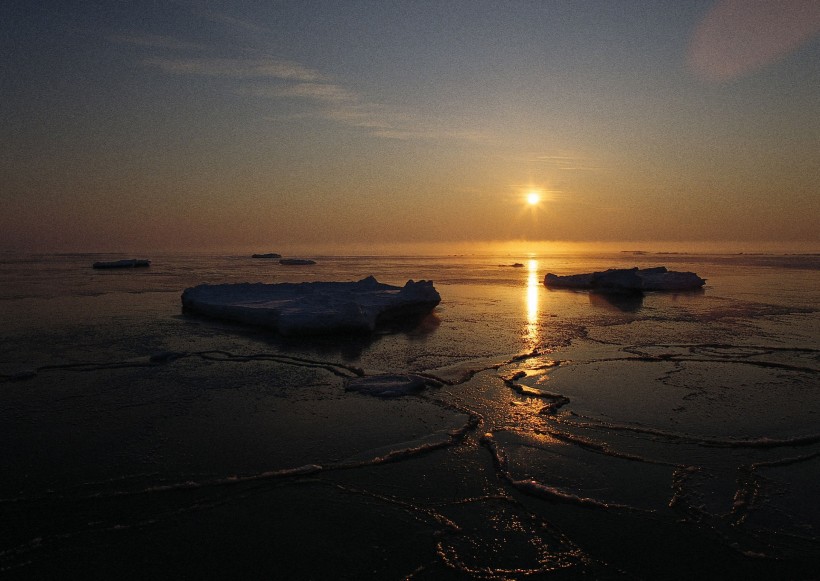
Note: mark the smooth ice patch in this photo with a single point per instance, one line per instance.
(394, 385)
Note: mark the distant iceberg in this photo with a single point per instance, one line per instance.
(312, 308)
(296, 261)
(628, 280)
(267, 255)
(127, 263)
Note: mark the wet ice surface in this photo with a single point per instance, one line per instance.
(557, 433)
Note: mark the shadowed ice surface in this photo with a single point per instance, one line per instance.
(551, 433)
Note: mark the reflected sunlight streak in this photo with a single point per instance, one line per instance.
(533, 287)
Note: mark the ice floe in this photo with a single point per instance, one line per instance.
(127, 263)
(313, 307)
(267, 255)
(628, 280)
(296, 261)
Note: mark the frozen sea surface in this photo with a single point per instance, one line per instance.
(516, 432)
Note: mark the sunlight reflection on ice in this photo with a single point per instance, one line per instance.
(533, 287)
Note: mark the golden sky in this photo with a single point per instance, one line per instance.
(339, 125)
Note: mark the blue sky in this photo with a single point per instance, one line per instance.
(163, 125)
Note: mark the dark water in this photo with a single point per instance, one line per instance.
(571, 435)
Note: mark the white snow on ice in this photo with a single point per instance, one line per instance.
(313, 307)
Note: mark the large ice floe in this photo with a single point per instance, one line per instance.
(628, 280)
(311, 308)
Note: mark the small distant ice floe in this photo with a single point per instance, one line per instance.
(313, 308)
(127, 263)
(267, 255)
(296, 261)
(633, 280)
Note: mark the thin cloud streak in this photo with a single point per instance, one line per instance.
(310, 91)
(432, 134)
(235, 68)
(568, 162)
(367, 115)
(381, 122)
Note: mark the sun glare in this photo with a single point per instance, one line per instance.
(533, 198)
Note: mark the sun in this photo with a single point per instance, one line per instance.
(533, 198)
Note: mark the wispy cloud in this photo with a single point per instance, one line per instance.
(430, 133)
(335, 103)
(568, 162)
(278, 79)
(239, 68)
(328, 100)
(388, 122)
(367, 115)
(310, 91)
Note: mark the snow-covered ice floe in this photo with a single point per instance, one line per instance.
(127, 263)
(311, 308)
(628, 280)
